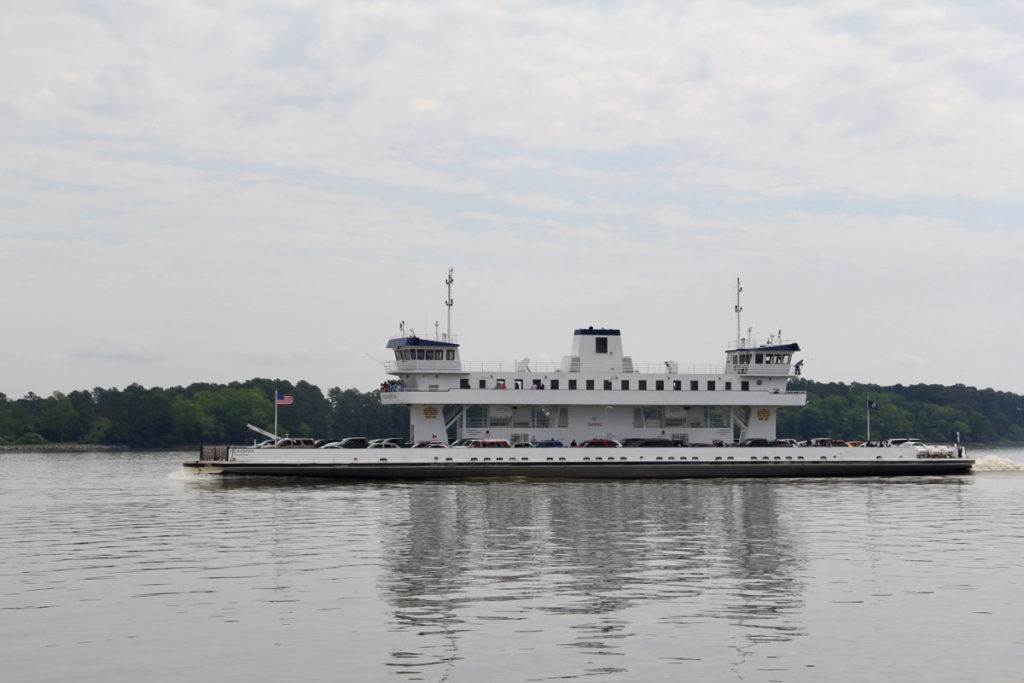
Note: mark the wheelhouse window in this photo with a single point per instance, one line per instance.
(759, 358)
(449, 354)
(430, 354)
(601, 344)
(420, 354)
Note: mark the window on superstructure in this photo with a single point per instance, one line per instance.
(601, 345)
(607, 385)
(449, 354)
(572, 385)
(659, 385)
(677, 385)
(483, 384)
(744, 386)
(759, 358)
(590, 384)
(625, 385)
(554, 384)
(430, 354)
(419, 354)
(642, 385)
(464, 383)
(499, 384)
(728, 386)
(518, 384)
(711, 385)
(694, 385)
(398, 355)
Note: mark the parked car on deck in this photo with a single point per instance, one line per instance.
(601, 443)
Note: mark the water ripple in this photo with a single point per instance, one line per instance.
(112, 569)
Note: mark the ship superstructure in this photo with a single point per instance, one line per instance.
(596, 391)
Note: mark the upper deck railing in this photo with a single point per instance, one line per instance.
(755, 343)
(549, 368)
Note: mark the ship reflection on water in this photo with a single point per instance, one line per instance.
(589, 568)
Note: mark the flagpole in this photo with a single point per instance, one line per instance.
(868, 409)
(275, 412)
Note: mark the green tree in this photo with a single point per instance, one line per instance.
(58, 420)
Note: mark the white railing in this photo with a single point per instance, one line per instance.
(754, 343)
(535, 368)
(598, 370)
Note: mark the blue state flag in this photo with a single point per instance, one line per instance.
(872, 405)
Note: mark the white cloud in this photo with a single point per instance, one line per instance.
(120, 349)
(297, 177)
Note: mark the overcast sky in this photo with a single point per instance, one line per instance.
(214, 191)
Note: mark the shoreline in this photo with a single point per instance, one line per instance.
(85, 448)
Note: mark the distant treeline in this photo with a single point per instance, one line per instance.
(926, 411)
(218, 413)
(196, 414)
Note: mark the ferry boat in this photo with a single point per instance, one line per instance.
(625, 419)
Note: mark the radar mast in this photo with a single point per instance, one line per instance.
(448, 302)
(738, 309)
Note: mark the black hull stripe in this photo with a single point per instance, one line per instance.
(590, 470)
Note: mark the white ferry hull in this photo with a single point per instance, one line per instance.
(619, 463)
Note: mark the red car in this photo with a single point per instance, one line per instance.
(601, 443)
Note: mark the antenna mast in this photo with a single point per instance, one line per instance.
(449, 302)
(738, 310)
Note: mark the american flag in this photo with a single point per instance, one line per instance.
(284, 400)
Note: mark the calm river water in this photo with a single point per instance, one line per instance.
(116, 567)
